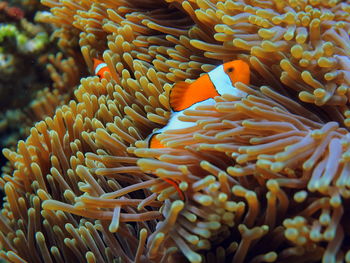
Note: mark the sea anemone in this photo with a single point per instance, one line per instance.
(265, 177)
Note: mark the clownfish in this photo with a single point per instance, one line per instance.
(184, 96)
(100, 67)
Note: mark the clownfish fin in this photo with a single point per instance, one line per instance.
(154, 143)
(97, 62)
(183, 95)
(176, 186)
(177, 94)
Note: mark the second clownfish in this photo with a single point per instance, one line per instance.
(185, 96)
(100, 67)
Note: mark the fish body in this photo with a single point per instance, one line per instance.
(100, 67)
(187, 96)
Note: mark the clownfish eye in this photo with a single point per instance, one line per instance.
(230, 70)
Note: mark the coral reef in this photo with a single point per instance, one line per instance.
(34, 77)
(20, 40)
(10, 12)
(265, 177)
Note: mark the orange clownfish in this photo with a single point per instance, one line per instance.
(184, 96)
(100, 67)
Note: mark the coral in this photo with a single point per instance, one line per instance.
(7, 65)
(24, 45)
(28, 90)
(20, 42)
(265, 177)
(10, 12)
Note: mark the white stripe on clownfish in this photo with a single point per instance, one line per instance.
(223, 83)
(175, 123)
(100, 67)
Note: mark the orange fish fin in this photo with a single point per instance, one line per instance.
(177, 94)
(154, 143)
(176, 186)
(97, 62)
(183, 95)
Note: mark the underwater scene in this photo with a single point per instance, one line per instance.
(201, 131)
